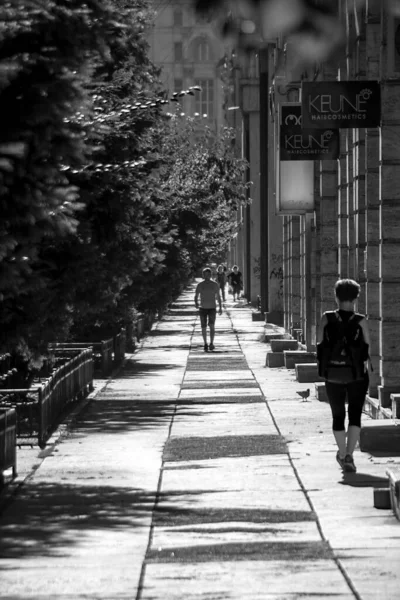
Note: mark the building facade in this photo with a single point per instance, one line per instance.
(353, 229)
(189, 52)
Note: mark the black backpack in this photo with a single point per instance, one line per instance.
(343, 351)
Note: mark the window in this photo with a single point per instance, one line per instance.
(178, 51)
(178, 18)
(202, 51)
(204, 100)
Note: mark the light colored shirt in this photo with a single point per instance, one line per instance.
(208, 292)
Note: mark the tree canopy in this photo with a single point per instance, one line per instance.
(102, 215)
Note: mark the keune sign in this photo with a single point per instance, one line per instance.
(305, 144)
(336, 104)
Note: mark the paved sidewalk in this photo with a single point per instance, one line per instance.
(197, 475)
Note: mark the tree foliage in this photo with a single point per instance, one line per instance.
(48, 52)
(107, 203)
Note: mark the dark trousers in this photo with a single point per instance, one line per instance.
(354, 393)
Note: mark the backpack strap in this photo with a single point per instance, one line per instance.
(359, 318)
(333, 318)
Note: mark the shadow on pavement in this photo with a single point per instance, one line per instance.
(138, 369)
(168, 332)
(182, 313)
(364, 480)
(274, 551)
(200, 448)
(168, 516)
(49, 519)
(115, 416)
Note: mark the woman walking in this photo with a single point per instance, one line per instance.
(221, 280)
(343, 357)
(236, 282)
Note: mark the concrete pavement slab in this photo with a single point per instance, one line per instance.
(228, 375)
(245, 580)
(250, 399)
(344, 504)
(223, 420)
(182, 479)
(240, 474)
(199, 393)
(206, 534)
(219, 385)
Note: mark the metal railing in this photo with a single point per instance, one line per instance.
(144, 323)
(119, 346)
(8, 433)
(102, 353)
(39, 407)
(140, 326)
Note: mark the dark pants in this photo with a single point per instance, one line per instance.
(236, 287)
(207, 314)
(354, 393)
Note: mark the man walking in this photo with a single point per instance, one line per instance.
(209, 293)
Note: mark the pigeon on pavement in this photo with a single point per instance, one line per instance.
(305, 394)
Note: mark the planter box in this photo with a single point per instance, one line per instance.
(380, 437)
(307, 373)
(257, 316)
(295, 357)
(281, 345)
(273, 336)
(384, 395)
(320, 392)
(274, 359)
(394, 488)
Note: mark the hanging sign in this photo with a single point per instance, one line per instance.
(341, 104)
(305, 144)
(294, 187)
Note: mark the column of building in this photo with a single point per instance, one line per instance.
(313, 317)
(389, 215)
(286, 265)
(327, 228)
(351, 169)
(302, 282)
(250, 106)
(295, 273)
(274, 222)
(351, 136)
(360, 273)
(343, 206)
(327, 211)
(372, 219)
(360, 217)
